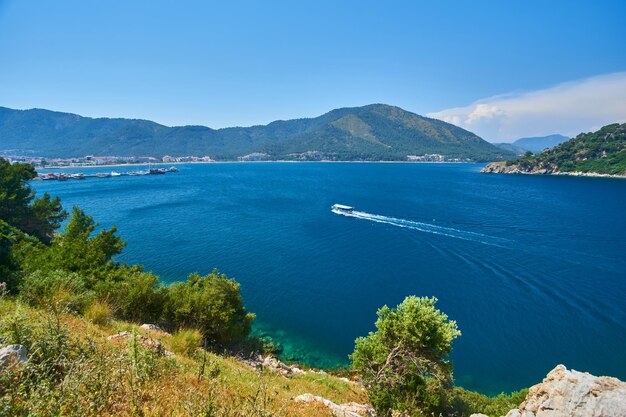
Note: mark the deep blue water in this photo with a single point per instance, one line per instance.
(532, 268)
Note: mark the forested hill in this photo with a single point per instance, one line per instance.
(602, 152)
(373, 132)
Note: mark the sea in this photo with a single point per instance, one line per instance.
(532, 268)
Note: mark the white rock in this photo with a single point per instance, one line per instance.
(344, 410)
(13, 355)
(296, 370)
(565, 393)
(118, 336)
(152, 327)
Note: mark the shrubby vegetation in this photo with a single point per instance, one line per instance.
(602, 152)
(73, 371)
(404, 365)
(76, 267)
(211, 303)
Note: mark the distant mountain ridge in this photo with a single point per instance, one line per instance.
(511, 148)
(373, 132)
(533, 144)
(539, 143)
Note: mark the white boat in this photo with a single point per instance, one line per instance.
(342, 209)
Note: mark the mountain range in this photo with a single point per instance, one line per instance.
(372, 132)
(533, 144)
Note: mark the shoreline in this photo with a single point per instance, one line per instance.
(501, 168)
(254, 162)
(561, 174)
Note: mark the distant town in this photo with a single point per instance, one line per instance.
(94, 161)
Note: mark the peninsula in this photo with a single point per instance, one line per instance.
(598, 154)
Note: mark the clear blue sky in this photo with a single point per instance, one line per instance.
(250, 62)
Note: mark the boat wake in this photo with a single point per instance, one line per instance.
(427, 228)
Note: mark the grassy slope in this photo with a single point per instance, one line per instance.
(102, 377)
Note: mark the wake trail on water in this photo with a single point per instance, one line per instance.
(427, 228)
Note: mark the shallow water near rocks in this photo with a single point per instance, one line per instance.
(533, 268)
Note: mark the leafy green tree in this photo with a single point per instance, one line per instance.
(76, 249)
(38, 217)
(403, 364)
(10, 237)
(212, 304)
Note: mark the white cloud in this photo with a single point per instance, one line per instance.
(569, 108)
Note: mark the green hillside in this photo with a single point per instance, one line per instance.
(373, 132)
(602, 152)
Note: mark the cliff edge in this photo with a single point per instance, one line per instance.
(574, 394)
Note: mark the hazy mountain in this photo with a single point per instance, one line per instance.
(373, 132)
(538, 144)
(517, 150)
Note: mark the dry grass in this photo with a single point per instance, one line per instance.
(126, 380)
(99, 312)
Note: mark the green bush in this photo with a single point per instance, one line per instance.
(58, 289)
(135, 295)
(186, 341)
(212, 304)
(403, 363)
(464, 403)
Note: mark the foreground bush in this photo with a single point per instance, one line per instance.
(135, 295)
(461, 402)
(58, 289)
(186, 341)
(403, 364)
(212, 304)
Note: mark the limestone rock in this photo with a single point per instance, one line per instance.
(275, 365)
(574, 394)
(343, 410)
(147, 342)
(13, 355)
(152, 328)
(121, 335)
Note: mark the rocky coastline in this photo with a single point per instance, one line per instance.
(503, 168)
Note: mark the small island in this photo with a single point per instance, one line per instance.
(597, 154)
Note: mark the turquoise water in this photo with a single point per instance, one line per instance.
(532, 268)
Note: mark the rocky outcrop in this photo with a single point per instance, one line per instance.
(152, 328)
(272, 364)
(503, 168)
(12, 355)
(569, 393)
(339, 410)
